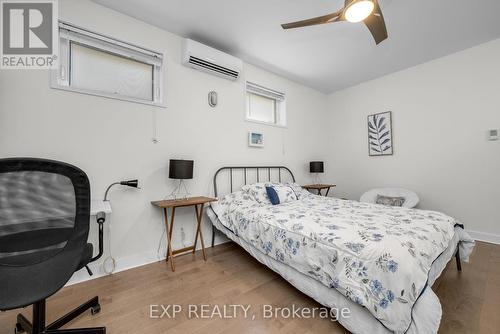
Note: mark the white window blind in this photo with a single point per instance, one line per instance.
(95, 64)
(100, 71)
(263, 91)
(265, 105)
(261, 108)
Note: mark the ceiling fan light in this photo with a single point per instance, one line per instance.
(359, 10)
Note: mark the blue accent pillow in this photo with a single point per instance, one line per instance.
(273, 195)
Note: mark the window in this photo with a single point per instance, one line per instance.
(265, 105)
(94, 64)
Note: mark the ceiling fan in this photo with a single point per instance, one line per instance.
(354, 11)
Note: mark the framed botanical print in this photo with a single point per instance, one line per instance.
(380, 134)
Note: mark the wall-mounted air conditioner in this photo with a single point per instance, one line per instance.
(205, 58)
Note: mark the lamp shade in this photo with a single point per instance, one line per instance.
(316, 167)
(181, 169)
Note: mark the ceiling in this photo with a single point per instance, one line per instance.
(326, 57)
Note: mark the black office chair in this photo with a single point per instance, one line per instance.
(44, 225)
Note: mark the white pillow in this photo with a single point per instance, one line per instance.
(280, 194)
(299, 191)
(258, 192)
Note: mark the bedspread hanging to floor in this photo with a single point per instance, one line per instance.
(377, 256)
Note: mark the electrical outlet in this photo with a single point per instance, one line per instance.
(493, 135)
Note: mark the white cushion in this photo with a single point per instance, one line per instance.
(411, 199)
(258, 192)
(284, 194)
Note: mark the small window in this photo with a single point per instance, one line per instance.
(94, 64)
(265, 105)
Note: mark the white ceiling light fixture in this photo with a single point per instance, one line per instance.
(355, 11)
(359, 10)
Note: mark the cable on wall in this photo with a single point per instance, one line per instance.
(109, 263)
(155, 139)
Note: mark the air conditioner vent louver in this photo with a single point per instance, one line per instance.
(207, 59)
(213, 67)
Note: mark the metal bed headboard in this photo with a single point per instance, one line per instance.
(245, 170)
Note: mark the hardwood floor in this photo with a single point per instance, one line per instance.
(470, 299)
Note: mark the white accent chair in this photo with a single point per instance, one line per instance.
(411, 198)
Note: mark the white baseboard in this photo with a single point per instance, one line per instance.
(486, 237)
(122, 264)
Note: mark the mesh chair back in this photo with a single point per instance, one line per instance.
(37, 215)
(41, 203)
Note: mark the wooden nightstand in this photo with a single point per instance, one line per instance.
(319, 187)
(198, 203)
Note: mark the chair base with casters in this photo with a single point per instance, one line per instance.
(38, 325)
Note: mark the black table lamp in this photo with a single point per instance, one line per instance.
(180, 170)
(316, 167)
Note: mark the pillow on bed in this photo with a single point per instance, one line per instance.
(298, 190)
(279, 194)
(258, 192)
(390, 201)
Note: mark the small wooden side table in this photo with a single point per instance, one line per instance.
(319, 188)
(198, 204)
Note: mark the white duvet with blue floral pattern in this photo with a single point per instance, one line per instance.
(377, 256)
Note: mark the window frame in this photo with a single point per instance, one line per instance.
(69, 33)
(278, 97)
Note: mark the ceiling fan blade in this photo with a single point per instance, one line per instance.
(333, 17)
(376, 24)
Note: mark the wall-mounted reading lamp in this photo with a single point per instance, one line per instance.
(129, 183)
(101, 218)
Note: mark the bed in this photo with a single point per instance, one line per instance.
(379, 262)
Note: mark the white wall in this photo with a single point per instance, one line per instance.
(112, 140)
(441, 113)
